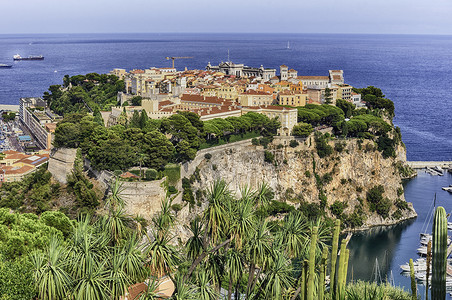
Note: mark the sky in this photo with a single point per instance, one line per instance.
(248, 16)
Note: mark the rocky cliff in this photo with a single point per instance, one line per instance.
(298, 175)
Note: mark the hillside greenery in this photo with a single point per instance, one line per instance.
(84, 93)
(153, 143)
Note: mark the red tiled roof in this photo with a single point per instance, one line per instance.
(128, 175)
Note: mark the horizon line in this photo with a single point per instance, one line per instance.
(238, 33)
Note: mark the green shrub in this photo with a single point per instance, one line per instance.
(323, 149)
(343, 181)
(337, 208)
(400, 204)
(400, 191)
(255, 142)
(151, 174)
(307, 174)
(397, 214)
(176, 207)
(172, 190)
(293, 143)
(339, 147)
(268, 157)
(172, 173)
(277, 207)
(207, 156)
(312, 211)
(384, 207)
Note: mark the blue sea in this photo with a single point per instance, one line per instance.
(415, 71)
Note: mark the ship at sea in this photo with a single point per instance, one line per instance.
(31, 57)
(3, 66)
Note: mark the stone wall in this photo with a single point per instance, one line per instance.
(143, 198)
(61, 163)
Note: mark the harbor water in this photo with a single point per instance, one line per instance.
(377, 254)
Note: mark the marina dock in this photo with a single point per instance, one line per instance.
(430, 164)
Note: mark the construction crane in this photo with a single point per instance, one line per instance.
(177, 57)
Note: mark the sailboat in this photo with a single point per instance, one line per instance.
(288, 45)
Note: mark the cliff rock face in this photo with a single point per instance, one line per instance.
(346, 175)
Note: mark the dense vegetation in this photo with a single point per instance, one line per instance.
(153, 143)
(230, 246)
(84, 93)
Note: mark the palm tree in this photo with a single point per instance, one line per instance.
(51, 279)
(183, 290)
(132, 259)
(117, 224)
(88, 249)
(115, 199)
(163, 257)
(215, 215)
(194, 245)
(165, 218)
(242, 221)
(258, 249)
(278, 278)
(294, 234)
(234, 267)
(204, 290)
(93, 285)
(264, 194)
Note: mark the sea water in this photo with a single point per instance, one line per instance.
(415, 71)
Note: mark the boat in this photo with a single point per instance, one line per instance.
(288, 45)
(448, 189)
(4, 66)
(31, 57)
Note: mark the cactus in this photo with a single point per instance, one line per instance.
(439, 254)
(413, 281)
(303, 283)
(340, 282)
(322, 276)
(429, 260)
(337, 229)
(311, 264)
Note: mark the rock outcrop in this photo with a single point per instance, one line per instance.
(347, 175)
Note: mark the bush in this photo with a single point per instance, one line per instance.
(268, 157)
(400, 204)
(151, 174)
(302, 130)
(356, 219)
(172, 172)
(277, 207)
(255, 142)
(176, 207)
(307, 174)
(312, 211)
(337, 208)
(323, 149)
(375, 194)
(293, 143)
(172, 190)
(384, 207)
(339, 147)
(207, 156)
